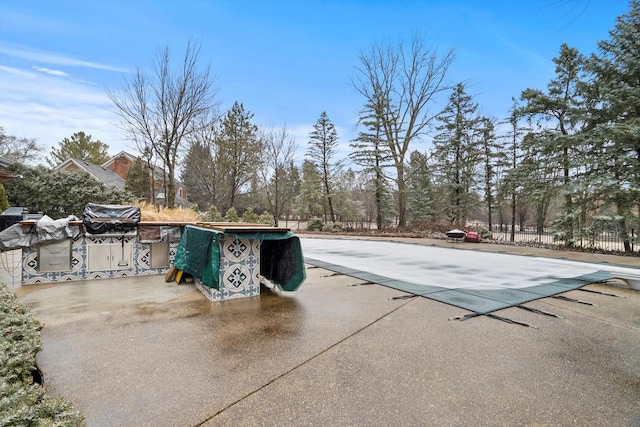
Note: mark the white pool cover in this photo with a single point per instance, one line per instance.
(478, 281)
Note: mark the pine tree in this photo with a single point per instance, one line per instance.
(322, 150)
(232, 215)
(309, 201)
(371, 152)
(239, 151)
(4, 201)
(200, 174)
(137, 182)
(614, 120)
(560, 114)
(457, 151)
(420, 190)
(81, 147)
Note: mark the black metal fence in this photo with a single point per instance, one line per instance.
(603, 240)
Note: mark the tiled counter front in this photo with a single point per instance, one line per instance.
(239, 272)
(80, 268)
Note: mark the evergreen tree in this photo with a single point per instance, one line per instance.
(249, 216)
(81, 147)
(213, 215)
(323, 146)
(200, 175)
(614, 120)
(137, 182)
(59, 194)
(420, 190)
(457, 151)
(492, 157)
(560, 115)
(232, 215)
(371, 151)
(4, 202)
(239, 151)
(309, 202)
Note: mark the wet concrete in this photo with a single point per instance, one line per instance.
(140, 351)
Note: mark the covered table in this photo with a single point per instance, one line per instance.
(230, 260)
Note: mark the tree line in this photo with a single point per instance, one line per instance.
(565, 156)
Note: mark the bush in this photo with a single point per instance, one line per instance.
(249, 216)
(23, 402)
(232, 215)
(315, 224)
(212, 215)
(485, 233)
(266, 218)
(333, 227)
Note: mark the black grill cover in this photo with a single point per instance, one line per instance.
(99, 219)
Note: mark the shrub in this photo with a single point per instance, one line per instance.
(333, 227)
(212, 215)
(485, 233)
(315, 224)
(232, 215)
(266, 218)
(249, 216)
(23, 402)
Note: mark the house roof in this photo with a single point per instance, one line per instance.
(104, 175)
(107, 176)
(5, 163)
(157, 170)
(120, 154)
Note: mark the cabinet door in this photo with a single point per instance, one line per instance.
(99, 257)
(110, 256)
(159, 253)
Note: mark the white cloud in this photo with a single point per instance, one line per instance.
(53, 58)
(50, 107)
(12, 70)
(50, 71)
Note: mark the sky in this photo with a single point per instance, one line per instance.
(286, 61)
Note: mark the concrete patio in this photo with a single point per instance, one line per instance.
(143, 352)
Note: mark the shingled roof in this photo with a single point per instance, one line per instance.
(104, 175)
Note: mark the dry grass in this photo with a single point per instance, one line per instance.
(150, 213)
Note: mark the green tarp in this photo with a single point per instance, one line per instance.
(281, 259)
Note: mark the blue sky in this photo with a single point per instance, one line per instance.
(287, 61)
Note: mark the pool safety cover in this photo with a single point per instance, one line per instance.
(480, 282)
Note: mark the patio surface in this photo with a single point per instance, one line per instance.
(143, 352)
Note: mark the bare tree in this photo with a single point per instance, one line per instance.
(279, 149)
(160, 111)
(202, 173)
(401, 83)
(23, 150)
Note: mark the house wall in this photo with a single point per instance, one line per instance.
(120, 165)
(71, 167)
